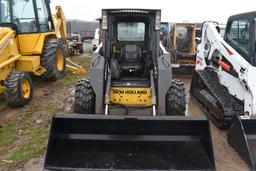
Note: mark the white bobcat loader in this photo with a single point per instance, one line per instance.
(224, 83)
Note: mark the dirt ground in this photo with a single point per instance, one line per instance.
(45, 94)
(24, 131)
(22, 152)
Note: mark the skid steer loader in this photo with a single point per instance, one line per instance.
(224, 83)
(31, 41)
(183, 48)
(131, 114)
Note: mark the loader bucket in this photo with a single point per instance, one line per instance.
(242, 137)
(98, 142)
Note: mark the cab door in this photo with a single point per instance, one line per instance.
(32, 20)
(238, 36)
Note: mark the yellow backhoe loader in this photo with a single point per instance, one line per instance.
(32, 41)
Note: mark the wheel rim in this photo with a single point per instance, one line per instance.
(60, 60)
(26, 89)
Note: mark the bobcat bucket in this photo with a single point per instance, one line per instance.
(98, 142)
(242, 137)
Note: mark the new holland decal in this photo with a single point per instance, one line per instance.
(130, 92)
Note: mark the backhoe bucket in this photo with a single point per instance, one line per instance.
(242, 137)
(98, 142)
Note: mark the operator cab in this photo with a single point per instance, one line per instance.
(30, 19)
(128, 45)
(17, 14)
(130, 41)
(241, 35)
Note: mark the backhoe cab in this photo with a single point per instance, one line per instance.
(31, 20)
(130, 74)
(27, 21)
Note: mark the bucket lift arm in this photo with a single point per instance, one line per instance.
(7, 41)
(233, 71)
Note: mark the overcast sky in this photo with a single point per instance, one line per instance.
(172, 11)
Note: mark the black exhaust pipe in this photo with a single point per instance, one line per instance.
(242, 137)
(98, 142)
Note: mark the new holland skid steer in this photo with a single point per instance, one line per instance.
(130, 114)
(224, 83)
(31, 41)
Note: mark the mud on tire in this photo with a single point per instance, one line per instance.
(176, 99)
(84, 98)
(14, 91)
(49, 60)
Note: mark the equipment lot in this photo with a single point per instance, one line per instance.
(23, 149)
(129, 110)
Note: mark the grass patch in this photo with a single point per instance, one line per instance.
(23, 138)
(81, 60)
(68, 80)
(35, 134)
(34, 146)
(51, 109)
(8, 135)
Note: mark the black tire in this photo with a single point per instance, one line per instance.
(13, 89)
(176, 99)
(49, 60)
(84, 98)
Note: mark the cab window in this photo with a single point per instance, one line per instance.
(24, 16)
(42, 16)
(238, 37)
(131, 31)
(4, 11)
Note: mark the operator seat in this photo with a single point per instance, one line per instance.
(129, 62)
(131, 59)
